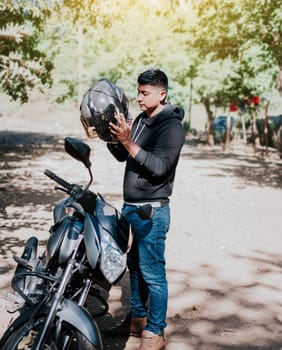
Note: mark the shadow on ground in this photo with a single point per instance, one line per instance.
(252, 168)
(221, 314)
(208, 310)
(232, 314)
(27, 143)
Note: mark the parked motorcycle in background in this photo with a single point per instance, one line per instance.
(87, 248)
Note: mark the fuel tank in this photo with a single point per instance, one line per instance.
(62, 240)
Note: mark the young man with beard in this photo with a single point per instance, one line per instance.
(151, 148)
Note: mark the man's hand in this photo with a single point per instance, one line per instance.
(122, 133)
(122, 130)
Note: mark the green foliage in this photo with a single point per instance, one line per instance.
(239, 46)
(220, 50)
(224, 27)
(139, 35)
(22, 66)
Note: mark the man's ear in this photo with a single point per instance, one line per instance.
(162, 95)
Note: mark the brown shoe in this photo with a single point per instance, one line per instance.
(130, 326)
(151, 341)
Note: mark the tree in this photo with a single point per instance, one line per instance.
(23, 66)
(226, 28)
(245, 36)
(212, 86)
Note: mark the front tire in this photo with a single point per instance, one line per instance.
(23, 338)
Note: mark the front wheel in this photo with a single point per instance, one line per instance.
(68, 338)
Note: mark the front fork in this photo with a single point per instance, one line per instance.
(81, 302)
(57, 298)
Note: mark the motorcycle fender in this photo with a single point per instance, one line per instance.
(70, 313)
(92, 244)
(80, 319)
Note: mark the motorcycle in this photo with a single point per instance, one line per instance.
(86, 250)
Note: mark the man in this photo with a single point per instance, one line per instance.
(151, 147)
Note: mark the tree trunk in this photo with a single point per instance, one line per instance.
(190, 103)
(228, 131)
(265, 128)
(279, 142)
(210, 122)
(243, 122)
(254, 130)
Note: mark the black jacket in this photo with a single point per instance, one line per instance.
(150, 176)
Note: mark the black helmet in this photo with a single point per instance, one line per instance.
(98, 106)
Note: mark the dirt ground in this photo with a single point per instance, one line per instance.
(224, 262)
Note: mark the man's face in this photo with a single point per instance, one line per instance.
(150, 97)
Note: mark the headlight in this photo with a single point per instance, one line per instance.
(112, 259)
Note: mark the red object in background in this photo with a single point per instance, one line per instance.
(233, 108)
(255, 100)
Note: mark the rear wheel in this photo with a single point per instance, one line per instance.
(69, 338)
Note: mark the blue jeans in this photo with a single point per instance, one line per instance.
(146, 264)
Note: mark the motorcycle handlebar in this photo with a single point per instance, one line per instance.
(58, 179)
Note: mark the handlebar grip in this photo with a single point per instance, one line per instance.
(58, 179)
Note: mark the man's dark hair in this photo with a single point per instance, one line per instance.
(153, 76)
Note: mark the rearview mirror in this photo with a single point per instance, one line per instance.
(78, 150)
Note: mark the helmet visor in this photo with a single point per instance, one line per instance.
(98, 123)
(89, 129)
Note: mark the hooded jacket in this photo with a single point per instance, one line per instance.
(150, 175)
